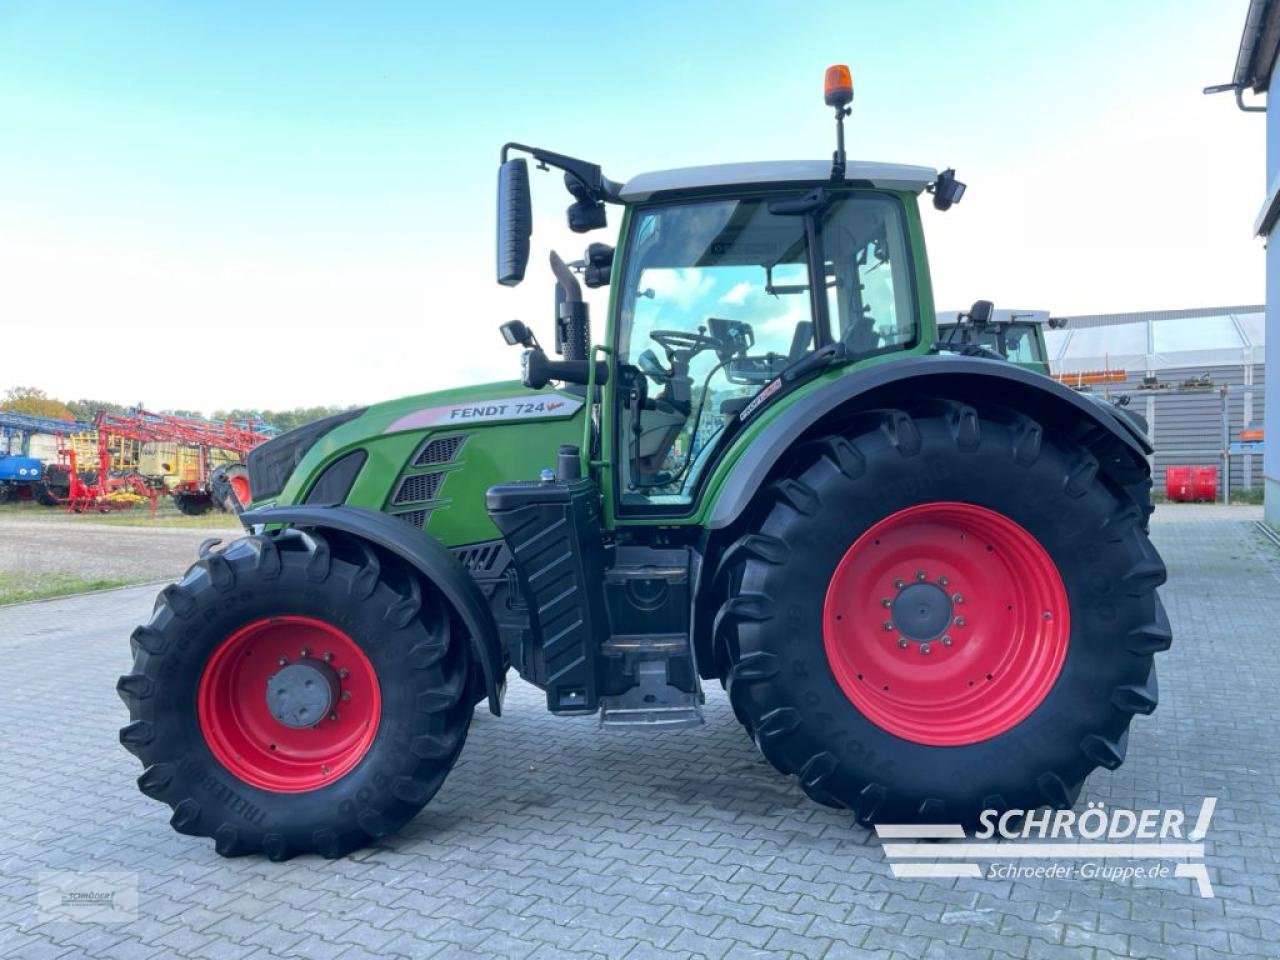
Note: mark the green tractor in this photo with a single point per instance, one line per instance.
(923, 578)
(1013, 335)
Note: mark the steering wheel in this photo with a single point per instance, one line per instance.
(685, 340)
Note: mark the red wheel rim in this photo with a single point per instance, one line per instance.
(1004, 616)
(246, 737)
(240, 488)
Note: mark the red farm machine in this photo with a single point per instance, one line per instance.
(141, 455)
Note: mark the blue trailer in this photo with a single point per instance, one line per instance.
(19, 471)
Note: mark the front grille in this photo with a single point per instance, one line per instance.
(438, 451)
(415, 518)
(417, 488)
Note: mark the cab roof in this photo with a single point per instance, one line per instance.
(888, 176)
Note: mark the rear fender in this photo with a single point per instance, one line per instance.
(426, 555)
(1116, 440)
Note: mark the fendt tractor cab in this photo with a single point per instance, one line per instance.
(1013, 335)
(922, 577)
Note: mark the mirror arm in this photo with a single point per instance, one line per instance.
(589, 174)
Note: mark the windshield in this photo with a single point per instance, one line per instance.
(716, 303)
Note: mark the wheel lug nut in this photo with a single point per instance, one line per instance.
(957, 598)
(925, 648)
(328, 657)
(306, 652)
(942, 581)
(283, 660)
(346, 694)
(903, 643)
(888, 624)
(333, 716)
(959, 621)
(899, 584)
(1048, 615)
(920, 575)
(946, 640)
(344, 673)
(886, 602)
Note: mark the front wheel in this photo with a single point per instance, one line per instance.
(293, 694)
(940, 612)
(192, 504)
(229, 488)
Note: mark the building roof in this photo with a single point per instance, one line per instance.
(1259, 43)
(1158, 340)
(1142, 316)
(891, 176)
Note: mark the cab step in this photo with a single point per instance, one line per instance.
(652, 702)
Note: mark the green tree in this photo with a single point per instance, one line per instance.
(280, 419)
(88, 409)
(34, 402)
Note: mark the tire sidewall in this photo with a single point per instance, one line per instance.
(1071, 524)
(213, 616)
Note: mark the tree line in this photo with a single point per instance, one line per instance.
(35, 402)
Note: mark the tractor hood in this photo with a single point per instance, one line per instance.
(502, 402)
(427, 458)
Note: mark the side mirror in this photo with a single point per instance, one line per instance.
(650, 366)
(515, 221)
(981, 312)
(946, 190)
(515, 332)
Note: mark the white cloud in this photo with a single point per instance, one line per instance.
(737, 294)
(680, 287)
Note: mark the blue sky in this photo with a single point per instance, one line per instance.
(211, 204)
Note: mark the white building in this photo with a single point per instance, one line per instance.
(1255, 72)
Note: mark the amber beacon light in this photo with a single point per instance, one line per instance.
(837, 90)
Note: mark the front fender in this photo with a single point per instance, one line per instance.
(955, 377)
(425, 554)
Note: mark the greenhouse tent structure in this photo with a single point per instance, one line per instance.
(1197, 376)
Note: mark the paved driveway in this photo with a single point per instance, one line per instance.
(554, 839)
(64, 545)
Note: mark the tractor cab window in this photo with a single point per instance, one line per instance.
(1016, 342)
(716, 304)
(1020, 342)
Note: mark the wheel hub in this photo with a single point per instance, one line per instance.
(289, 703)
(303, 693)
(921, 611)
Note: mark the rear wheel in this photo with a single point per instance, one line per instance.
(940, 612)
(53, 487)
(293, 694)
